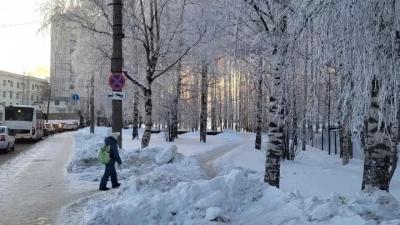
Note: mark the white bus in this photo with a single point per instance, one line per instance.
(25, 120)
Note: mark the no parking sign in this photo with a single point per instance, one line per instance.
(117, 81)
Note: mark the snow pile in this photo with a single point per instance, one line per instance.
(278, 207)
(190, 202)
(159, 198)
(162, 187)
(84, 162)
(86, 166)
(167, 155)
(86, 147)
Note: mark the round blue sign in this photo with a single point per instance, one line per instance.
(75, 97)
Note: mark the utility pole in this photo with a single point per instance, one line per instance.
(116, 65)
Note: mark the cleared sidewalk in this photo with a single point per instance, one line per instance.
(39, 188)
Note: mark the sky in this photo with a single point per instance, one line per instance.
(23, 49)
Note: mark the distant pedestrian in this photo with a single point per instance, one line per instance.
(111, 140)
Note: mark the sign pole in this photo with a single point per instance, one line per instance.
(116, 65)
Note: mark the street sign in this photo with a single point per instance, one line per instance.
(75, 97)
(116, 95)
(117, 81)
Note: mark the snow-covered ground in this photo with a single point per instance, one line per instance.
(222, 182)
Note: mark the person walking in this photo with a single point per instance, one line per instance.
(111, 140)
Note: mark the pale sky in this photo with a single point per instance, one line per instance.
(22, 47)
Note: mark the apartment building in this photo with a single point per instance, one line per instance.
(16, 89)
(64, 79)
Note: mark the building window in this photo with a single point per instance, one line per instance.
(31, 97)
(37, 98)
(4, 94)
(11, 94)
(4, 83)
(56, 102)
(17, 96)
(33, 87)
(17, 85)
(11, 83)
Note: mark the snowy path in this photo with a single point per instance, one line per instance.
(208, 159)
(36, 187)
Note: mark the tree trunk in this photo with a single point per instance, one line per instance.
(135, 130)
(394, 147)
(175, 107)
(344, 142)
(378, 151)
(226, 113)
(304, 128)
(259, 112)
(214, 103)
(148, 108)
(275, 142)
(92, 119)
(203, 102)
(230, 100)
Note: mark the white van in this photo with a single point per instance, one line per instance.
(25, 121)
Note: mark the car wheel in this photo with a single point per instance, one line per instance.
(13, 148)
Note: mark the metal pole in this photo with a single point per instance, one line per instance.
(116, 65)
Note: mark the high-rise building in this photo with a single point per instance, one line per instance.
(62, 76)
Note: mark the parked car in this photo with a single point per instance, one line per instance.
(49, 129)
(58, 127)
(76, 125)
(68, 126)
(7, 139)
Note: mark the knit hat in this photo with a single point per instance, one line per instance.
(114, 135)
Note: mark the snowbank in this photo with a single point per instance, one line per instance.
(162, 187)
(234, 198)
(278, 207)
(86, 167)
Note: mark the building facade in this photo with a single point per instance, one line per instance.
(18, 89)
(64, 81)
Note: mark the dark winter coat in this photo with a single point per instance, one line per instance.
(114, 155)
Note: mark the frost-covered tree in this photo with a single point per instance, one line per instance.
(371, 71)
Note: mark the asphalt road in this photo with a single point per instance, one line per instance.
(19, 148)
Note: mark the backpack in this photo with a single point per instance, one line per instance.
(104, 154)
